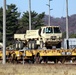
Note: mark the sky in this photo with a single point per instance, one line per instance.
(39, 6)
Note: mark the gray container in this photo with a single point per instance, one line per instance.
(72, 43)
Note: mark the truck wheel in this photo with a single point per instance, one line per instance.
(20, 45)
(29, 45)
(17, 44)
(41, 44)
(58, 45)
(34, 46)
(48, 47)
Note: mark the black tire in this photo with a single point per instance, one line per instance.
(48, 47)
(29, 45)
(17, 44)
(58, 45)
(20, 44)
(41, 44)
(34, 46)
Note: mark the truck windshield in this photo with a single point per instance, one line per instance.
(56, 30)
(48, 30)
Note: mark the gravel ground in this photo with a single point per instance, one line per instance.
(37, 69)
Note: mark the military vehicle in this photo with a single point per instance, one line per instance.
(46, 36)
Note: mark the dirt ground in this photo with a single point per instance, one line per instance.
(37, 69)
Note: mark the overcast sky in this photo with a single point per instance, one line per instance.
(40, 6)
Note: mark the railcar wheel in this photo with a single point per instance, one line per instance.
(62, 61)
(56, 61)
(37, 58)
(40, 59)
(45, 59)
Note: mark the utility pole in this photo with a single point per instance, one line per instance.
(49, 12)
(67, 35)
(4, 31)
(29, 14)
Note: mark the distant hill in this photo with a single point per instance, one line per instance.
(62, 23)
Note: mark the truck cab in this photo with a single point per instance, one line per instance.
(51, 35)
